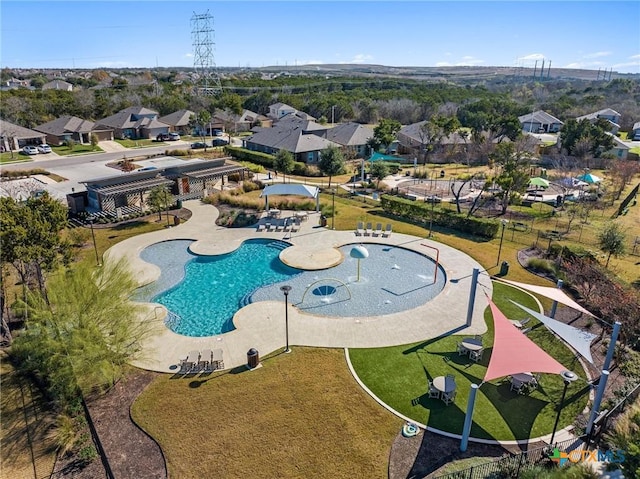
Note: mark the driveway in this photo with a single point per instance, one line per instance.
(111, 146)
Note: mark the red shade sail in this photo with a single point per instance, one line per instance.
(514, 353)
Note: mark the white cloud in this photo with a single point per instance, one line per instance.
(584, 65)
(308, 62)
(531, 57)
(597, 55)
(443, 64)
(188, 55)
(635, 57)
(359, 58)
(469, 61)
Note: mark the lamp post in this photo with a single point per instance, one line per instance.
(433, 202)
(333, 114)
(333, 208)
(93, 236)
(285, 289)
(504, 224)
(568, 377)
(166, 200)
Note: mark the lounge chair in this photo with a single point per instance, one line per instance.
(378, 230)
(217, 359)
(191, 363)
(260, 227)
(279, 226)
(286, 226)
(295, 227)
(206, 362)
(369, 230)
(387, 231)
(267, 225)
(360, 228)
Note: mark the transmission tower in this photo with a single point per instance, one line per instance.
(203, 59)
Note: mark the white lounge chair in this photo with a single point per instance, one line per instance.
(369, 230)
(378, 230)
(360, 228)
(260, 227)
(216, 359)
(267, 225)
(206, 360)
(387, 231)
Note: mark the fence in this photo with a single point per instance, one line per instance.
(603, 423)
(512, 466)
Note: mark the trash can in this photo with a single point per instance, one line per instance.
(504, 268)
(176, 220)
(253, 358)
(323, 220)
(179, 204)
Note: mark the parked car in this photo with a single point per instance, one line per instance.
(198, 145)
(162, 137)
(219, 142)
(217, 132)
(147, 168)
(174, 137)
(30, 150)
(44, 148)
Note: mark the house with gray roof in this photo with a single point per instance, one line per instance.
(58, 84)
(412, 140)
(135, 122)
(540, 122)
(353, 138)
(278, 110)
(14, 137)
(620, 149)
(301, 138)
(69, 127)
(612, 116)
(635, 133)
(178, 121)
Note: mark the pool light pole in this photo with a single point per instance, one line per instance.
(504, 224)
(568, 377)
(285, 289)
(333, 208)
(93, 236)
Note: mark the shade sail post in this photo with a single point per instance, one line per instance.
(595, 409)
(612, 345)
(554, 306)
(468, 417)
(472, 294)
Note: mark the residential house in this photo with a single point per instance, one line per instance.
(302, 138)
(15, 83)
(14, 137)
(540, 122)
(178, 121)
(135, 123)
(612, 116)
(73, 128)
(635, 133)
(278, 110)
(249, 119)
(413, 141)
(353, 138)
(58, 84)
(620, 149)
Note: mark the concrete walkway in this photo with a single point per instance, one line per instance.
(262, 326)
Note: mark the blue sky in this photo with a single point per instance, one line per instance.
(93, 34)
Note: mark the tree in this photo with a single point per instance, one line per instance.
(513, 165)
(80, 336)
(160, 198)
(386, 131)
(284, 163)
(94, 140)
(575, 136)
(612, 241)
(331, 162)
(378, 172)
(626, 437)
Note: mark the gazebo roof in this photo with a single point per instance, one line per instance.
(291, 189)
(514, 353)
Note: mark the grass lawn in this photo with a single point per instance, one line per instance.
(399, 376)
(299, 415)
(26, 450)
(76, 150)
(17, 157)
(140, 143)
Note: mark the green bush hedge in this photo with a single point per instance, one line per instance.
(419, 211)
(242, 154)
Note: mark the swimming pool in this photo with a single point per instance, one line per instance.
(203, 293)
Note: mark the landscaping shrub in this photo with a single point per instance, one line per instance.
(540, 265)
(252, 167)
(299, 169)
(420, 212)
(178, 152)
(79, 236)
(248, 186)
(238, 153)
(23, 173)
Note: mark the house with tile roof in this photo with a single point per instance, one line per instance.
(540, 122)
(14, 137)
(612, 116)
(69, 127)
(178, 121)
(135, 122)
(302, 138)
(353, 138)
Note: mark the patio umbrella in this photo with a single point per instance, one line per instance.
(590, 178)
(537, 181)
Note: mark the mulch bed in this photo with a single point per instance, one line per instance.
(130, 451)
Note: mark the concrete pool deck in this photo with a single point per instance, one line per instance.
(261, 325)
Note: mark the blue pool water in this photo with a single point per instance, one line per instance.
(203, 293)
